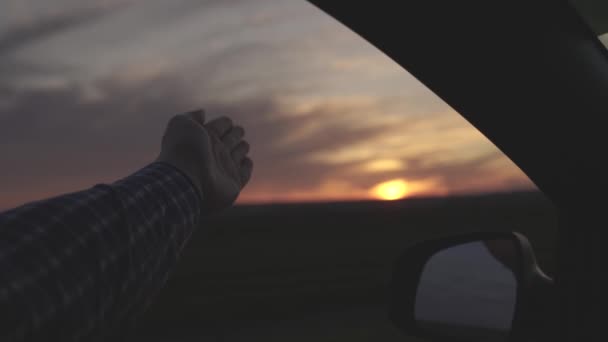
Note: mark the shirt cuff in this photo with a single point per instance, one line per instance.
(167, 185)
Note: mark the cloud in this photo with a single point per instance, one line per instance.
(31, 32)
(383, 165)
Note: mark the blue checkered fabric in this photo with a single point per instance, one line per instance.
(84, 265)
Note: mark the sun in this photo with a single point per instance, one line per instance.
(390, 190)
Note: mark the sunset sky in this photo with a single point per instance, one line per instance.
(86, 88)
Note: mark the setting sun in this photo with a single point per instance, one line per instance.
(390, 190)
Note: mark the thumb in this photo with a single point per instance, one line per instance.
(197, 115)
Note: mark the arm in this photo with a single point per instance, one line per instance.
(82, 266)
(84, 262)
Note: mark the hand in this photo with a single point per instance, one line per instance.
(213, 155)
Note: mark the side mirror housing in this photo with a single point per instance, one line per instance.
(470, 287)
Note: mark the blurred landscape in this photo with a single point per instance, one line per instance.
(319, 272)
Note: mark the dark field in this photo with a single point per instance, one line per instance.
(319, 272)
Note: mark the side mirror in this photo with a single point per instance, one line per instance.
(471, 287)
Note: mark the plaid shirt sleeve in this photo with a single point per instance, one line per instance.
(83, 266)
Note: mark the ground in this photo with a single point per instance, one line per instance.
(319, 272)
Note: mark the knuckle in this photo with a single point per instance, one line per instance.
(227, 120)
(239, 130)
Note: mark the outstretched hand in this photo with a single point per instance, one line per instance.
(212, 154)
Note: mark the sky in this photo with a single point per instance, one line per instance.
(87, 87)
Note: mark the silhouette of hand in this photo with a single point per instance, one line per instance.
(213, 155)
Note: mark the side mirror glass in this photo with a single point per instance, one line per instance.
(467, 290)
(473, 287)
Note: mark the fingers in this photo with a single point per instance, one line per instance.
(233, 137)
(240, 151)
(197, 115)
(246, 169)
(219, 126)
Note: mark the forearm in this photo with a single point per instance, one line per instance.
(78, 265)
